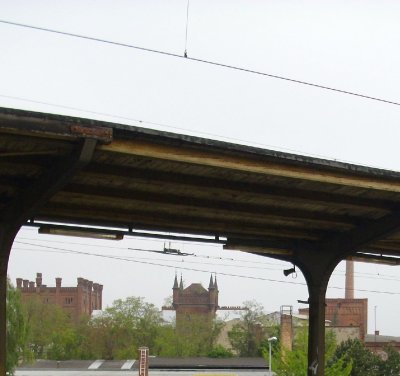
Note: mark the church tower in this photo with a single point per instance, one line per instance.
(213, 293)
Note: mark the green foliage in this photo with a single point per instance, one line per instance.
(122, 328)
(271, 331)
(115, 334)
(16, 330)
(219, 351)
(248, 335)
(390, 367)
(295, 362)
(194, 337)
(366, 363)
(48, 326)
(363, 361)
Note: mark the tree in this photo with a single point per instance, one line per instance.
(364, 362)
(390, 367)
(16, 329)
(194, 337)
(122, 328)
(247, 336)
(220, 351)
(47, 326)
(295, 362)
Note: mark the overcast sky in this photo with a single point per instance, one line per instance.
(349, 45)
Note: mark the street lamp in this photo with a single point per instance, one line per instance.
(270, 353)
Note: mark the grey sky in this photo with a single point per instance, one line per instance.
(351, 45)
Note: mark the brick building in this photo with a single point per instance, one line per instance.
(347, 312)
(76, 301)
(196, 303)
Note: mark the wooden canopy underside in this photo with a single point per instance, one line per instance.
(259, 200)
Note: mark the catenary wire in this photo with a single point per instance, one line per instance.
(187, 26)
(177, 260)
(182, 261)
(122, 258)
(365, 275)
(198, 60)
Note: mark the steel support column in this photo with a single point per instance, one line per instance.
(26, 205)
(316, 330)
(7, 235)
(317, 268)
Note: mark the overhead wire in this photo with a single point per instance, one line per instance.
(158, 240)
(365, 275)
(177, 260)
(199, 60)
(187, 26)
(124, 258)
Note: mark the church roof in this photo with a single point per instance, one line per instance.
(211, 285)
(195, 288)
(175, 282)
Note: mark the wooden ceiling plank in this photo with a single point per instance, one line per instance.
(196, 182)
(153, 216)
(166, 208)
(225, 160)
(214, 204)
(362, 236)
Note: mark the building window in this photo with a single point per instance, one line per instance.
(68, 300)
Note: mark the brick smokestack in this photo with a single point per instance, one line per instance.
(349, 292)
(286, 328)
(38, 279)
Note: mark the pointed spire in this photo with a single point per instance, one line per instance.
(215, 282)
(181, 283)
(175, 282)
(211, 285)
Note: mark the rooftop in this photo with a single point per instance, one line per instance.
(257, 200)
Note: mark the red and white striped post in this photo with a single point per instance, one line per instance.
(143, 361)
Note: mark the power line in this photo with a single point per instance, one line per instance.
(175, 260)
(120, 258)
(184, 261)
(198, 60)
(364, 275)
(187, 26)
(195, 255)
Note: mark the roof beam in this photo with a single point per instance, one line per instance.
(178, 221)
(27, 202)
(363, 236)
(173, 179)
(53, 129)
(206, 204)
(249, 163)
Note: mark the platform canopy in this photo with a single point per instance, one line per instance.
(128, 180)
(80, 171)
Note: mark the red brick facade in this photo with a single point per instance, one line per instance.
(195, 299)
(346, 312)
(194, 302)
(76, 301)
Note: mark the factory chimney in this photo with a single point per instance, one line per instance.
(349, 292)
